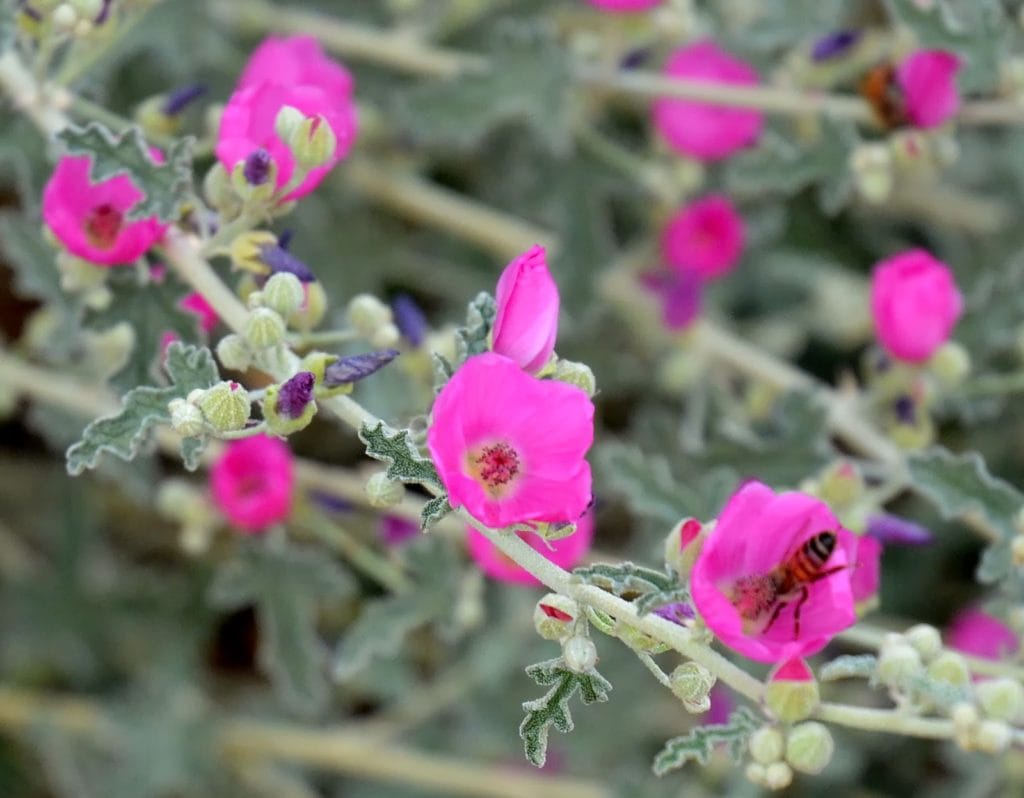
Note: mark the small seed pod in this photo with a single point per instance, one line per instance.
(384, 492)
(578, 374)
(225, 406)
(579, 653)
(809, 747)
(283, 293)
(264, 328)
(186, 419)
(951, 668)
(767, 745)
(1000, 699)
(926, 640)
(555, 616)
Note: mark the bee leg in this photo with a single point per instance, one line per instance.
(775, 615)
(804, 595)
(826, 573)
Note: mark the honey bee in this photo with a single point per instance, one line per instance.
(880, 89)
(756, 595)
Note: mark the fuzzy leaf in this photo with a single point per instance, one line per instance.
(286, 584)
(443, 370)
(394, 448)
(942, 694)
(433, 511)
(357, 367)
(552, 709)
(649, 602)
(849, 666)
(166, 186)
(700, 742)
(472, 338)
(626, 578)
(142, 408)
(647, 483)
(192, 452)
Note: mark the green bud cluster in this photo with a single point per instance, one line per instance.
(691, 683)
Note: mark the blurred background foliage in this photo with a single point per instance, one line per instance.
(98, 597)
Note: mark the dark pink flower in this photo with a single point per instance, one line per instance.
(624, 6)
(701, 130)
(704, 238)
(915, 304)
(566, 552)
(511, 448)
(253, 481)
(975, 632)
(866, 576)
(927, 79)
(89, 219)
(297, 61)
(526, 323)
(740, 585)
(196, 303)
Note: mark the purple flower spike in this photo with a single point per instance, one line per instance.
(257, 167)
(179, 99)
(281, 260)
(295, 395)
(834, 44)
(409, 319)
(892, 529)
(356, 367)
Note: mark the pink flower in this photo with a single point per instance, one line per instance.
(89, 218)
(566, 553)
(976, 632)
(740, 584)
(705, 238)
(927, 79)
(866, 576)
(680, 294)
(526, 323)
(915, 304)
(253, 482)
(624, 6)
(510, 447)
(196, 303)
(701, 130)
(281, 72)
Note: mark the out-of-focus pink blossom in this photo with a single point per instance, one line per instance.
(866, 576)
(915, 304)
(927, 80)
(737, 579)
(511, 448)
(704, 238)
(680, 294)
(701, 130)
(526, 323)
(253, 482)
(975, 632)
(624, 6)
(297, 61)
(566, 552)
(395, 531)
(89, 219)
(196, 303)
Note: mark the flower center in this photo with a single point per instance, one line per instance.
(102, 225)
(495, 466)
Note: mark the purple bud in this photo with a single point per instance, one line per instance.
(285, 239)
(635, 59)
(295, 395)
(409, 319)
(257, 167)
(330, 502)
(178, 99)
(677, 613)
(355, 367)
(281, 260)
(104, 12)
(905, 410)
(892, 529)
(680, 295)
(834, 44)
(394, 530)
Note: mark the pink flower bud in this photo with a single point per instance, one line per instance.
(90, 219)
(927, 79)
(624, 6)
(701, 130)
(915, 304)
(526, 323)
(253, 481)
(706, 238)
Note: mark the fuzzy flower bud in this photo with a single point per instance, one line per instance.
(898, 663)
(287, 122)
(691, 683)
(872, 169)
(225, 406)
(384, 492)
(234, 353)
(809, 747)
(951, 364)
(683, 545)
(1000, 699)
(580, 654)
(951, 668)
(186, 419)
(993, 736)
(578, 374)
(219, 192)
(925, 639)
(841, 484)
(555, 616)
(792, 691)
(264, 328)
(386, 336)
(778, 776)
(313, 309)
(313, 143)
(283, 293)
(366, 313)
(289, 407)
(767, 745)
(526, 322)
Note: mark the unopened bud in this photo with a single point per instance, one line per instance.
(792, 692)
(386, 336)
(951, 668)
(965, 718)
(383, 492)
(809, 747)
(691, 683)
(254, 179)
(993, 736)
(225, 406)
(264, 328)
(767, 745)
(683, 544)
(555, 616)
(284, 293)
(871, 165)
(580, 654)
(287, 122)
(64, 17)
(778, 776)
(234, 353)
(186, 419)
(312, 310)
(87, 9)
(1000, 699)
(195, 539)
(219, 192)
(290, 406)
(366, 313)
(951, 364)
(898, 663)
(841, 484)
(313, 142)
(578, 374)
(925, 639)
(755, 773)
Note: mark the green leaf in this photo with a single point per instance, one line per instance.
(699, 743)
(433, 511)
(552, 709)
(405, 463)
(167, 187)
(443, 370)
(124, 432)
(152, 310)
(849, 666)
(626, 578)
(472, 339)
(526, 79)
(192, 452)
(286, 583)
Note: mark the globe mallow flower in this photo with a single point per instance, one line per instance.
(915, 304)
(705, 238)
(973, 631)
(565, 552)
(91, 219)
(292, 72)
(510, 448)
(927, 83)
(253, 482)
(763, 586)
(526, 323)
(703, 130)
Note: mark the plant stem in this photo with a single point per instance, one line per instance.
(653, 667)
(323, 338)
(27, 95)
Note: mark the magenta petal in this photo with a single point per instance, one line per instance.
(974, 631)
(526, 322)
(705, 238)
(928, 81)
(253, 482)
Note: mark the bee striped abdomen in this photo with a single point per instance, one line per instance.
(809, 560)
